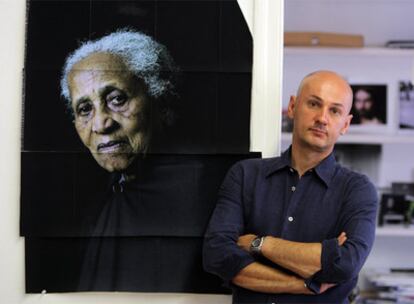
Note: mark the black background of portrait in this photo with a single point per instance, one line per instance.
(63, 187)
(159, 252)
(175, 194)
(147, 264)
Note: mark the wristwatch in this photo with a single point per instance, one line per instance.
(256, 245)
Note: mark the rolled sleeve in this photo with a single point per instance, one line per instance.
(221, 254)
(358, 221)
(223, 259)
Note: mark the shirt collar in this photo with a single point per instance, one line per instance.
(279, 163)
(325, 169)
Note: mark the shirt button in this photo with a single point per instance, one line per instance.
(290, 219)
(293, 188)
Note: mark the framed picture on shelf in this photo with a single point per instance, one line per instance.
(369, 107)
(406, 105)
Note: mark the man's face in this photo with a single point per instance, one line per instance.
(110, 109)
(363, 102)
(321, 111)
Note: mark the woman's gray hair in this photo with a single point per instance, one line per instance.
(147, 59)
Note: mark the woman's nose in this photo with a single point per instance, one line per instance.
(102, 121)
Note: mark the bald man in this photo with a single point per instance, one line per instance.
(296, 228)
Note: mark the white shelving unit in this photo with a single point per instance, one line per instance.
(397, 231)
(349, 51)
(367, 139)
(392, 161)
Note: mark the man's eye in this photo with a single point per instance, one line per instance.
(313, 104)
(335, 111)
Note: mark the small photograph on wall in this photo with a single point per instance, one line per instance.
(369, 107)
(406, 97)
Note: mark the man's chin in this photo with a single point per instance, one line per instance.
(321, 146)
(317, 144)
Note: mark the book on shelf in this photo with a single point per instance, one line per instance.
(393, 285)
(400, 44)
(323, 39)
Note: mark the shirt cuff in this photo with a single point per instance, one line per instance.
(313, 286)
(231, 269)
(330, 253)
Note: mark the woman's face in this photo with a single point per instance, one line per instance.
(111, 110)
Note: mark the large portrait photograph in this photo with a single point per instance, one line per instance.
(133, 113)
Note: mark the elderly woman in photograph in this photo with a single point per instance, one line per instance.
(121, 91)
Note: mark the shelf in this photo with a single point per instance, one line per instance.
(341, 51)
(395, 231)
(367, 139)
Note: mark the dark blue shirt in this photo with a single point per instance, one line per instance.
(267, 197)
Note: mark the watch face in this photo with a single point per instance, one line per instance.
(256, 242)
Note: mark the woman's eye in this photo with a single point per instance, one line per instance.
(84, 109)
(116, 99)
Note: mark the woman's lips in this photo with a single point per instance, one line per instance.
(112, 146)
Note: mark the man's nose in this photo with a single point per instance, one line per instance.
(102, 121)
(323, 115)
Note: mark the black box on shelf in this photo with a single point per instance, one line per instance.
(394, 209)
(403, 188)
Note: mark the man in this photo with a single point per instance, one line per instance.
(296, 228)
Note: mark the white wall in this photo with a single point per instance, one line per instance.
(12, 20)
(11, 61)
(265, 126)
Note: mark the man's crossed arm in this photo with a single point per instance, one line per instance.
(303, 259)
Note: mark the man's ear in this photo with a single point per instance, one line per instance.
(347, 124)
(291, 106)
